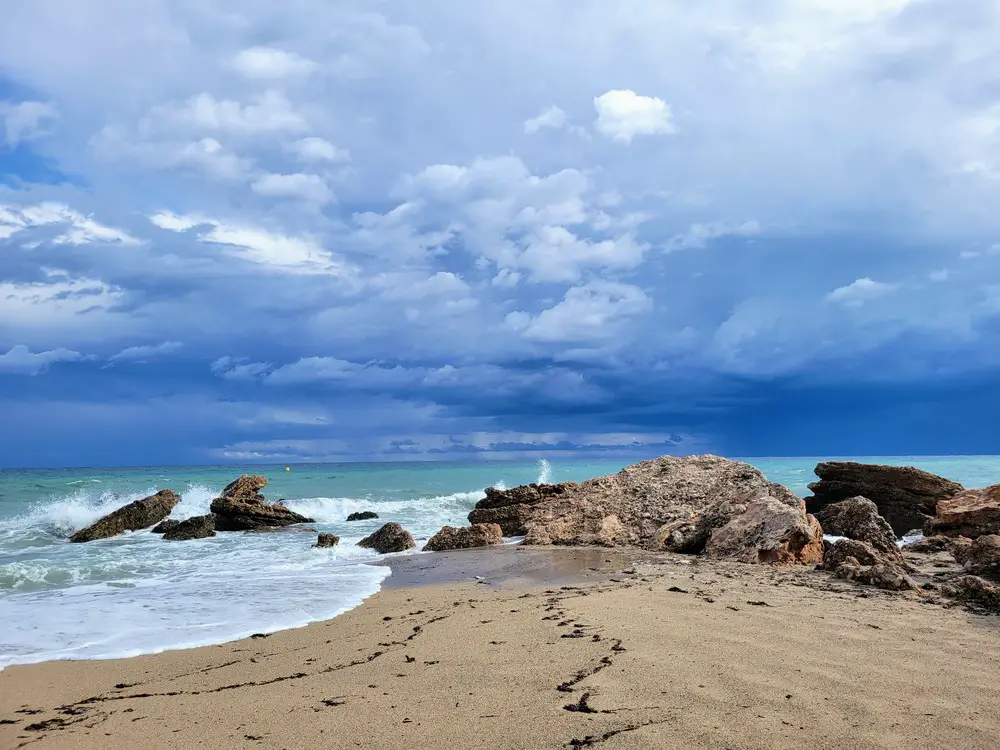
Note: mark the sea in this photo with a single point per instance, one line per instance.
(137, 594)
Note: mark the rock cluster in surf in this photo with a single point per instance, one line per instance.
(241, 507)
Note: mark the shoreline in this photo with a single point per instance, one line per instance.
(533, 647)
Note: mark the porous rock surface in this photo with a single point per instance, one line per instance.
(466, 537)
(241, 507)
(971, 513)
(858, 518)
(698, 504)
(390, 538)
(140, 514)
(198, 527)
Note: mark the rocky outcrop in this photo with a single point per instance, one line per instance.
(363, 515)
(199, 527)
(165, 525)
(327, 540)
(839, 552)
(699, 504)
(961, 549)
(928, 545)
(984, 556)
(905, 496)
(241, 507)
(390, 538)
(862, 562)
(477, 535)
(858, 518)
(971, 513)
(882, 575)
(974, 591)
(137, 515)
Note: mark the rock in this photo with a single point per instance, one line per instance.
(327, 540)
(881, 575)
(198, 527)
(364, 515)
(905, 496)
(975, 591)
(697, 504)
(971, 513)
(165, 525)
(984, 555)
(836, 554)
(241, 507)
(390, 538)
(961, 549)
(477, 535)
(929, 545)
(858, 518)
(140, 514)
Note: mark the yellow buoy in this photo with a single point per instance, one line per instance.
(287, 469)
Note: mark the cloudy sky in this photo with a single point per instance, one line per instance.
(241, 230)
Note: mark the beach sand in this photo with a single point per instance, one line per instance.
(550, 649)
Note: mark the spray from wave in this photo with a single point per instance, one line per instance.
(544, 472)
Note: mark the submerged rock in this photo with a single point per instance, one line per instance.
(971, 513)
(241, 507)
(137, 515)
(905, 496)
(165, 525)
(362, 515)
(467, 537)
(390, 538)
(697, 504)
(858, 518)
(327, 540)
(198, 527)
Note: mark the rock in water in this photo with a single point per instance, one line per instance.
(696, 504)
(363, 515)
(140, 514)
(327, 540)
(477, 535)
(241, 507)
(165, 525)
(390, 538)
(971, 513)
(858, 518)
(199, 527)
(984, 556)
(905, 496)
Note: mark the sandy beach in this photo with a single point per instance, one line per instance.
(551, 648)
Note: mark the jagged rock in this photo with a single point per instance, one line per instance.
(140, 514)
(971, 513)
(363, 515)
(696, 504)
(929, 545)
(837, 553)
(961, 549)
(511, 509)
(984, 555)
(241, 507)
(477, 535)
(881, 575)
(905, 496)
(858, 518)
(975, 591)
(327, 540)
(390, 538)
(165, 525)
(198, 527)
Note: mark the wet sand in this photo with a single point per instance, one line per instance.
(551, 648)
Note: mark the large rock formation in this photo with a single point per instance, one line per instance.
(858, 518)
(390, 538)
(198, 527)
(362, 515)
(905, 496)
(241, 507)
(970, 513)
(477, 535)
(697, 504)
(140, 514)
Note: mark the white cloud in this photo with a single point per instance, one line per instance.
(315, 149)
(591, 312)
(27, 121)
(22, 361)
(700, 235)
(45, 304)
(145, 352)
(552, 118)
(307, 187)
(81, 229)
(239, 370)
(860, 291)
(271, 64)
(177, 223)
(267, 113)
(624, 114)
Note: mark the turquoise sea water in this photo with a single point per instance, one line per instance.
(138, 594)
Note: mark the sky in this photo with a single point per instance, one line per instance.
(247, 231)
